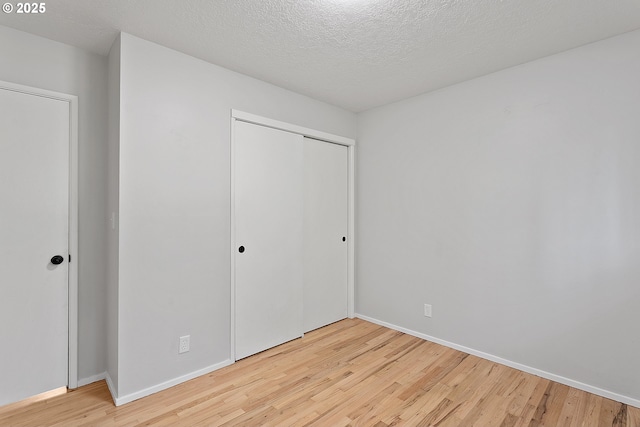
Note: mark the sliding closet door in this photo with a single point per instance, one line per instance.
(325, 231)
(269, 203)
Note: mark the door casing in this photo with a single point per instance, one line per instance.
(72, 100)
(237, 115)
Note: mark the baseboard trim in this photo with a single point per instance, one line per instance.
(165, 385)
(111, 388)
(92, 379)
(534, 371)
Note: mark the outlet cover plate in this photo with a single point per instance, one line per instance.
(427, 310)
(184, 344)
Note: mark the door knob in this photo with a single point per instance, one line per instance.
(57, 260)
(241, 249)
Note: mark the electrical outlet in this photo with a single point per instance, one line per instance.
(184, 344)
(427, 310)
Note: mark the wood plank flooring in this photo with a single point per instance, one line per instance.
(351, 373)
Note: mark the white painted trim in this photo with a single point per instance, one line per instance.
(311, 133)
(92, 379)
(351, 234)
(72, 380)
(232, 334)
(534, 371)
(300, 130)
(165, 385)
(73, 243)
(111, 387)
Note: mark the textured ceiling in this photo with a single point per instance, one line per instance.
(356, 54)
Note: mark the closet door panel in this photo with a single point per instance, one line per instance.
(269, 208)
(325, 227)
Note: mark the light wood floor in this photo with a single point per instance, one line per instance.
(349, 373)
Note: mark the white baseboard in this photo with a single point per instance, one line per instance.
(92, 379)
(111, 388)
(121, 400)
(543, 374)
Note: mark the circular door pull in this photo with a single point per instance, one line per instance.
(57, 260)
(344, 239)
(241, 249)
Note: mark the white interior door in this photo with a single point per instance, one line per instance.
(34, 218)
(269, 186)
(325, 233)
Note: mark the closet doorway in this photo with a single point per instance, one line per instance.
(292, 232)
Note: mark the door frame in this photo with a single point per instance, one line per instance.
(72, 285)
(350, 143)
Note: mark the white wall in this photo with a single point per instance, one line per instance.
(511, 203)
(174, 272)
(113, 195)
(37, 62)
